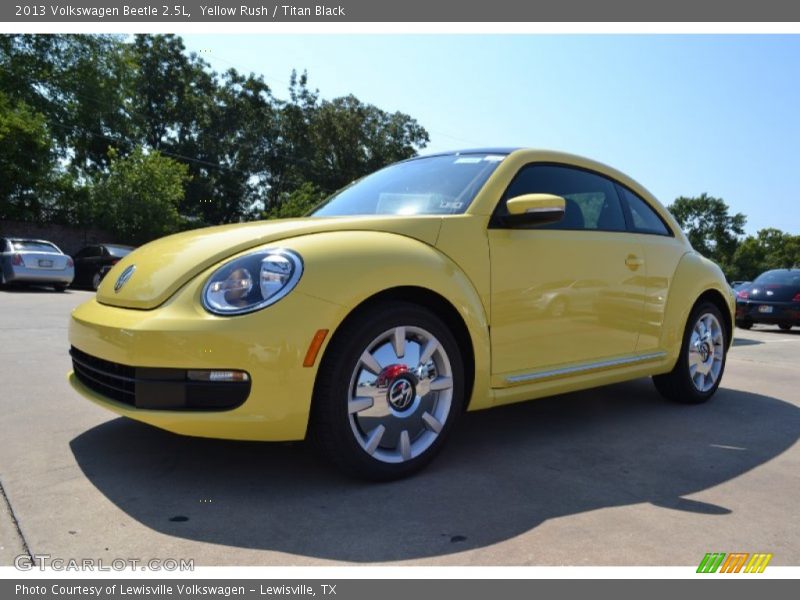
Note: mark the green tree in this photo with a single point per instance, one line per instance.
(240, 127)
(768, 249)
(332, 143)
(245, 150)
(297, 203)
(351, 139)
(712, 231)
(82, 86)
(220, 126)
(26, 161)
(139, 197)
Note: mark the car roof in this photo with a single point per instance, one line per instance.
(34, 240)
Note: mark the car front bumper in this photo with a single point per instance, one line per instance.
(268, 345)
(768, 312)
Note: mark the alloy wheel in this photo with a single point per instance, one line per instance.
(400, 394)
(706, 352)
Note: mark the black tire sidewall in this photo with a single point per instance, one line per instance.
(330, 423)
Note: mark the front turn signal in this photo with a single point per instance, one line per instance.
(314, 346)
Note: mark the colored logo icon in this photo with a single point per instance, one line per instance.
(735, 562)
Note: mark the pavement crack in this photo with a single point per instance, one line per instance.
(15, 522)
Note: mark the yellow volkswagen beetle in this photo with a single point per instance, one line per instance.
(451, 282)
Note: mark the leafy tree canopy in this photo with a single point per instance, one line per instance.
(245, 150)
(138, 199)
(768, 249)
(712, 231)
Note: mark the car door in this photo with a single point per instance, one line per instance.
(81, 268)
(564, 295)
(93, 263)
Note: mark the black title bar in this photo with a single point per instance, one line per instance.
(204, 11)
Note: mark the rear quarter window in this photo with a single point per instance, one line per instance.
(644, 218)
(31, 246)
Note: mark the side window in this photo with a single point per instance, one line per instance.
(644, 218)
(592, 200)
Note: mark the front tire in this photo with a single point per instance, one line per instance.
(701, 363)
(389, 389)
(785, 326)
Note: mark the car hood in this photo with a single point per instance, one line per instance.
(166, 264)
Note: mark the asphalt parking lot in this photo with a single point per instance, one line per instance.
(614, 476)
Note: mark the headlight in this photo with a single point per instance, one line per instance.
(252, 282)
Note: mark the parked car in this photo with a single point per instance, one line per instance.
(403, 300)
(93, 262)
(25, 261)
(772, 298)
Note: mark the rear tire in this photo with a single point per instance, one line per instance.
(96, 279)
(744, 324)
(389, 389)
(785, 326)
(60, 287)
(701, 363)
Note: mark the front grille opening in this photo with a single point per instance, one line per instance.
(157, 388)
(109, 379)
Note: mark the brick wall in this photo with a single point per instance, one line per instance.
(69, 239)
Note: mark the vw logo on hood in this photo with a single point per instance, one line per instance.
(123, 279)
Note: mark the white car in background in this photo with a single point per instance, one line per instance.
(26, 261)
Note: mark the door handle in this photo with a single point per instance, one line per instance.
(633, 262)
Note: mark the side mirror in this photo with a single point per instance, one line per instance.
(534, 209)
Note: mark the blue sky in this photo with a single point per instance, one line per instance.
(680, 114)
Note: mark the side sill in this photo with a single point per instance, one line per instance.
(582, 368)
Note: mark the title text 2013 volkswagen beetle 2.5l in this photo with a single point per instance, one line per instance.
(440, 284)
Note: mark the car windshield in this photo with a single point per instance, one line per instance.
(34, 246)
(780, 277)
(436, 185)
(118, 251)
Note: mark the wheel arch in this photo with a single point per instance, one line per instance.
(436, 303)
(717, 299)
(696, 279)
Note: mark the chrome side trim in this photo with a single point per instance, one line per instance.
(586, 367)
